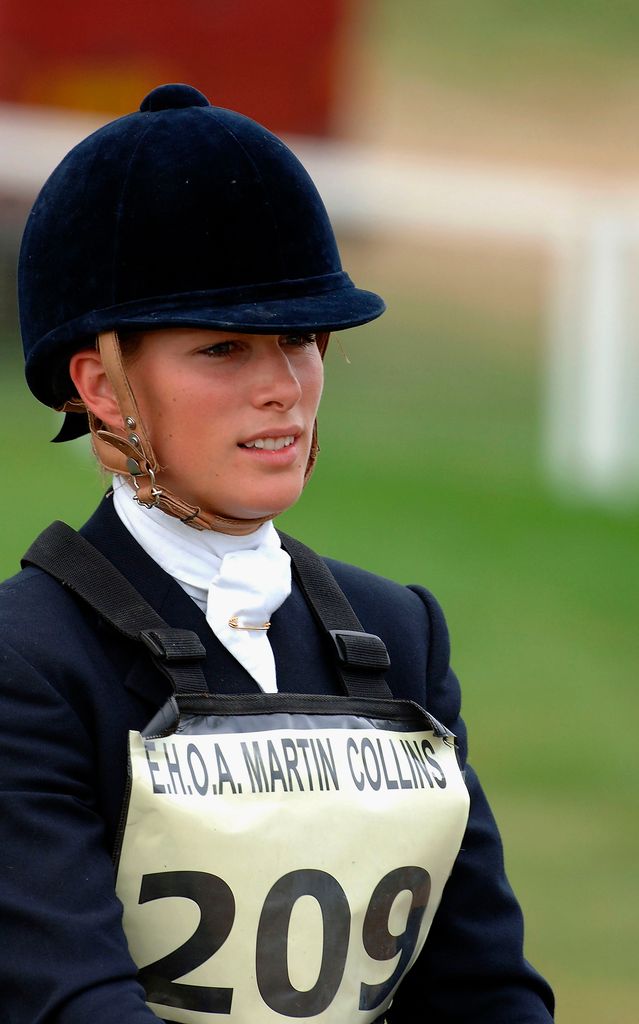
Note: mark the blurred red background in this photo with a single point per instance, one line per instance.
(275, 61)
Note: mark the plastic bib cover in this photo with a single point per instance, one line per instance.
(288, 863)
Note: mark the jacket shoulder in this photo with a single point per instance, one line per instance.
(411, 609)
(45, 624)
(31, 599)
(361, 584)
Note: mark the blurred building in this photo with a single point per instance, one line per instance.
(278, 62)
(275, 61)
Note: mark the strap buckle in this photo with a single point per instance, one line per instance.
(357, 650)
(173, 644)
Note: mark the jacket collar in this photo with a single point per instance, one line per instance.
(223, 673)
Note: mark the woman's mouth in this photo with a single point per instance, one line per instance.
(270, 444)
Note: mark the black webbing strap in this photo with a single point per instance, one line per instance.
(361, 658)
(72, 560)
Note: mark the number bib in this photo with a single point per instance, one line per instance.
(286, 863)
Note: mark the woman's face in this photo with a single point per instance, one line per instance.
(230, 416)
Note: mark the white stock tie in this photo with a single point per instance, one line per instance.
(247, 589)
(245, 578)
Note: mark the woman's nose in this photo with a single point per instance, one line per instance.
(276, 383)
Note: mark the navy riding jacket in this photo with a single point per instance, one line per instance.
(71, 689)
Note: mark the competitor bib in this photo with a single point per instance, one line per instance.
(283, 857)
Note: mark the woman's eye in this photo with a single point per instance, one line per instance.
(300, 340)
(221, 348)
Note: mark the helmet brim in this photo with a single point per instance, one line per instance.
(336, 311)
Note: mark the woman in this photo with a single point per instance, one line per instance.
(293, 814)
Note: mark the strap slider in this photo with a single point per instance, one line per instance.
(360, 650)
(173, 644)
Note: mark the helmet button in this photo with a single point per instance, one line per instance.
(172, 97)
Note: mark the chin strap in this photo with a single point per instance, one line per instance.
(130, 454)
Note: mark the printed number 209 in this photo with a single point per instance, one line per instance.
(217, 914)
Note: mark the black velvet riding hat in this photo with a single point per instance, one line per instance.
(181, 214)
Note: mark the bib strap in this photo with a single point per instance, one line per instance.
(75, 563)
(361, 658)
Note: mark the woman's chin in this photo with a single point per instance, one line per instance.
(258, 499)
(257, 506)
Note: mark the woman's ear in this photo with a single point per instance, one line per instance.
(93, 386)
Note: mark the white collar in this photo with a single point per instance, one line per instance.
(192, 557)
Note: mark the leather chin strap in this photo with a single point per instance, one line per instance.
(130, 453)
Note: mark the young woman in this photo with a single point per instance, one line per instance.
(293, 836)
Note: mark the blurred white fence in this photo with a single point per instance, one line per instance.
(590, 233)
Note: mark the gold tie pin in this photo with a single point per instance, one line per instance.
(234, 622)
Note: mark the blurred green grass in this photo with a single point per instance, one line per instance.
(492, 43)
(430, 472)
